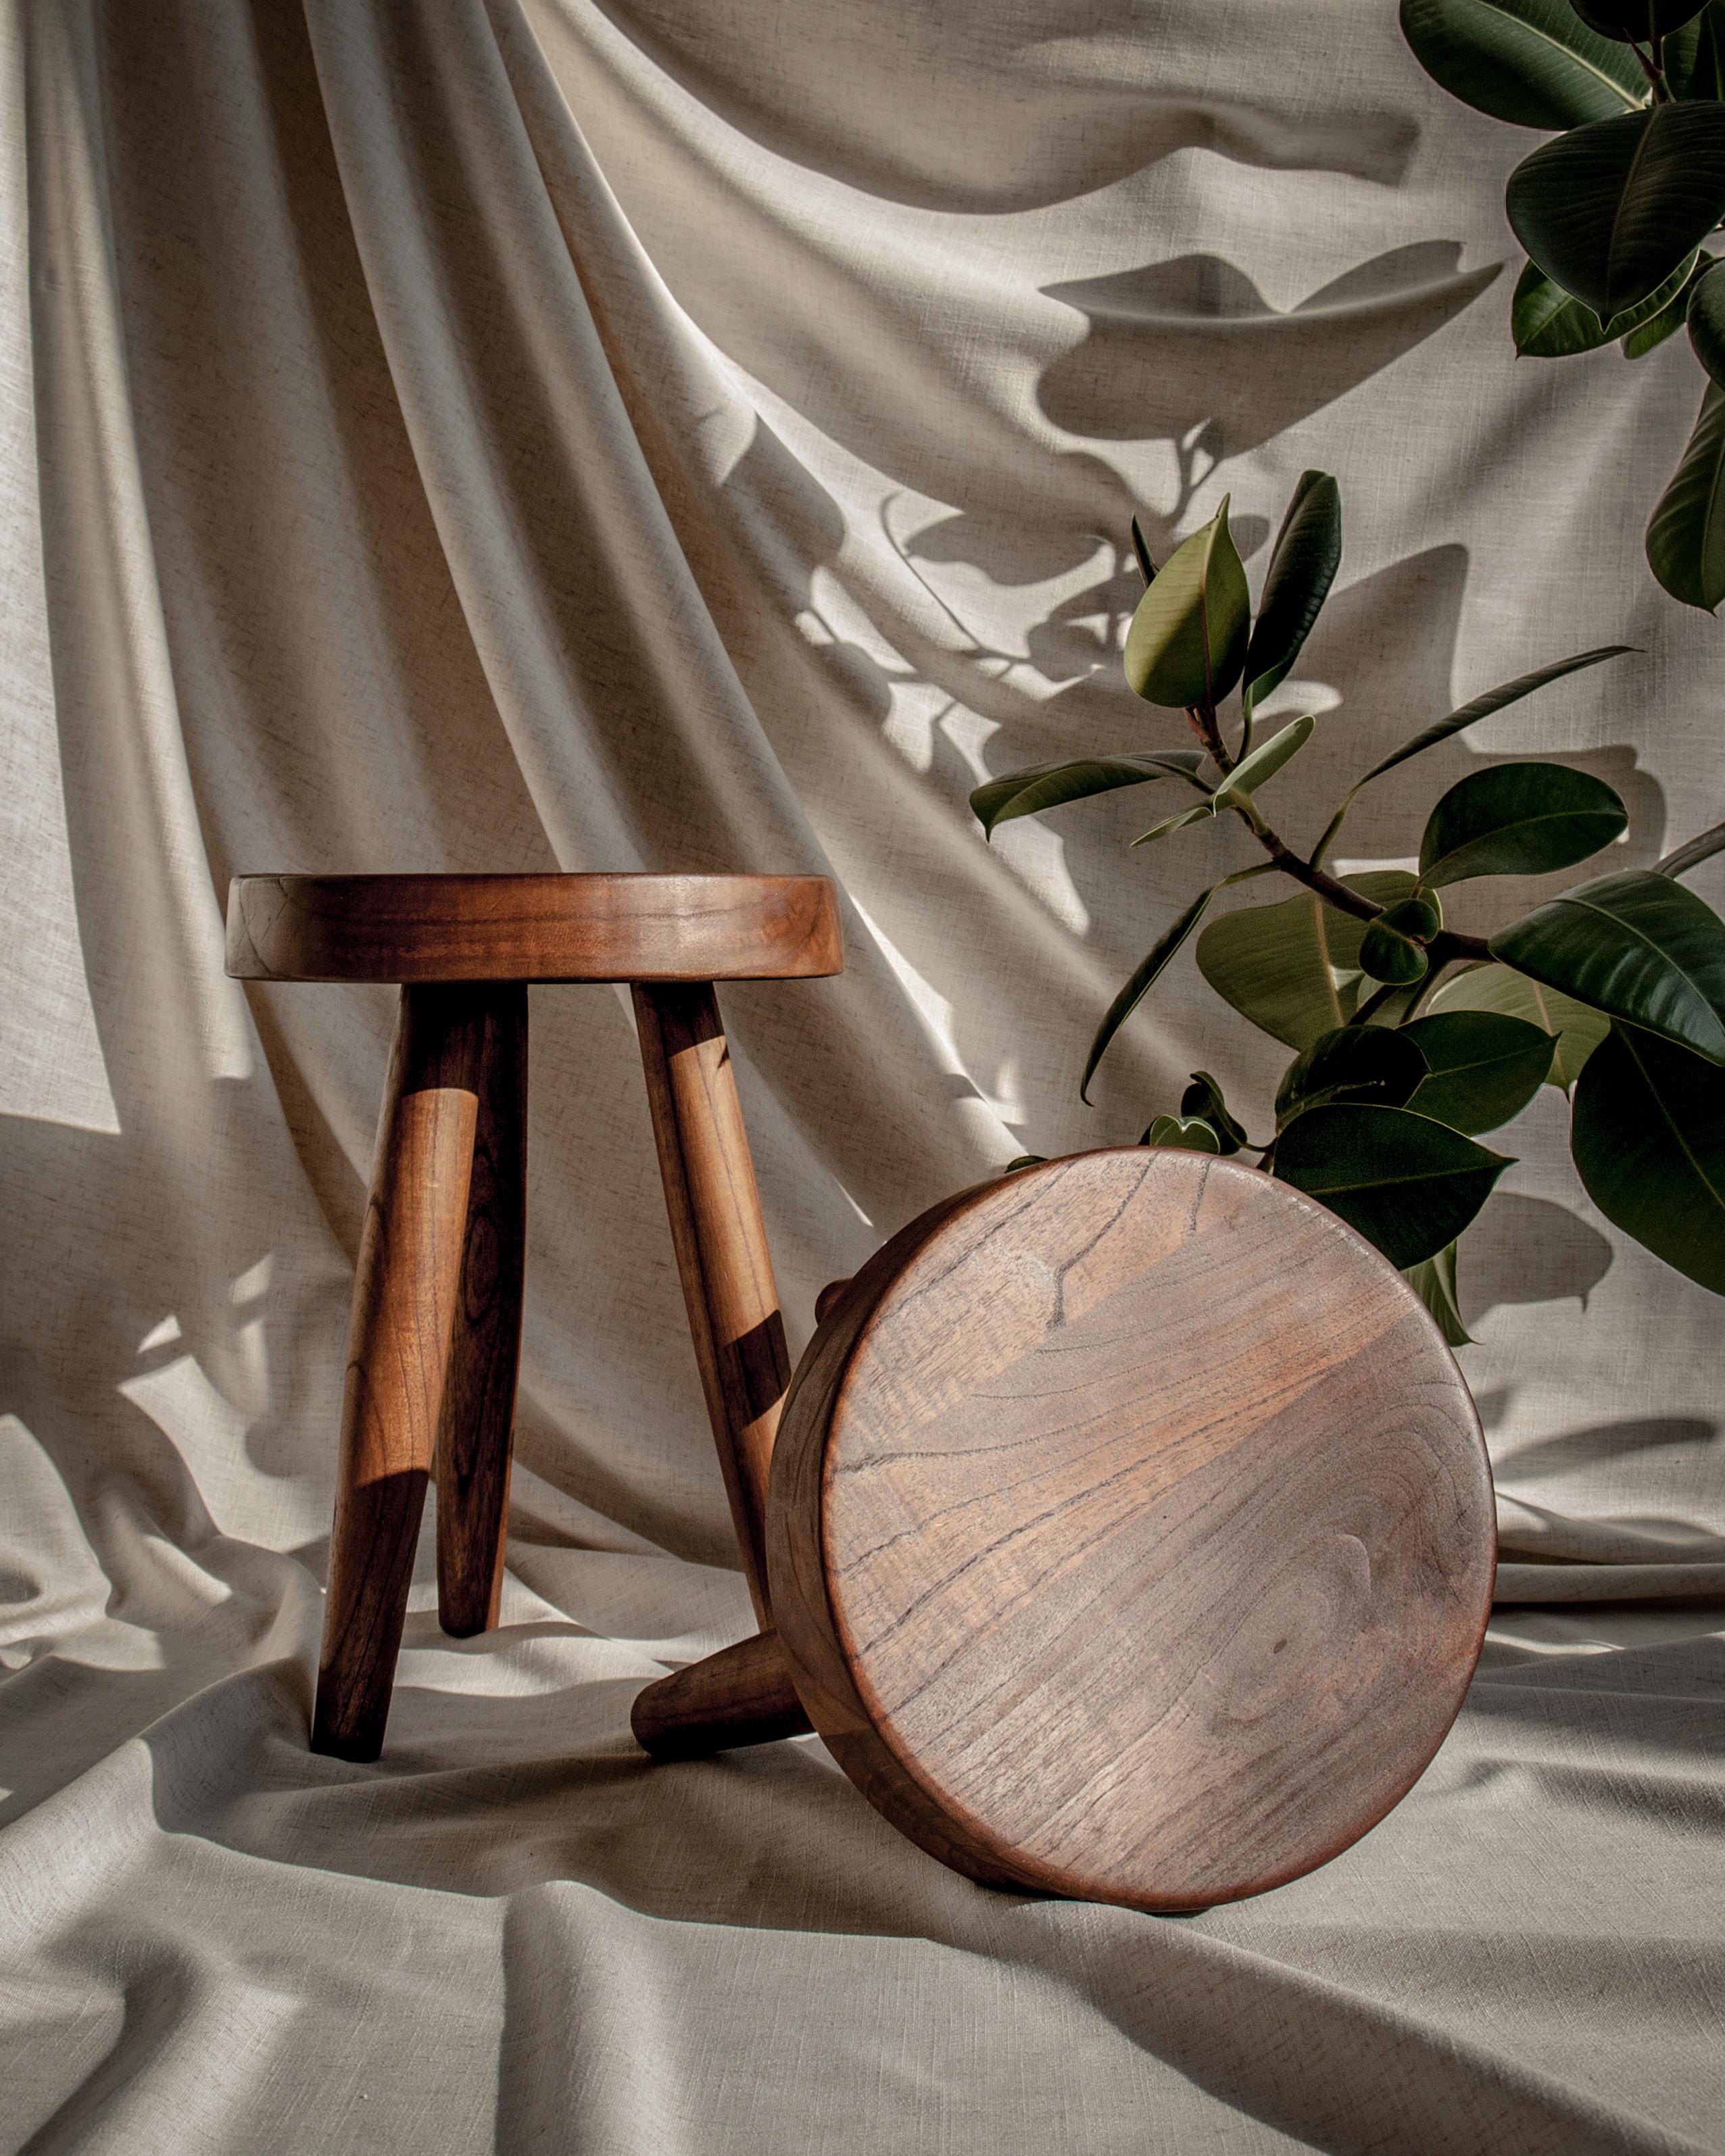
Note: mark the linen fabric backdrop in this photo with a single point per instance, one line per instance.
(523, 434)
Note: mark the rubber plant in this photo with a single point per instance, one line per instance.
(1411, 1040)
(1616, 210)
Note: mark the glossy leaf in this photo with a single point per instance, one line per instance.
(1252, 771)
(1547, 322)
(1203, 1097)
(1610, 209)
(1518, 819)
(1695, 55)
(1024, 1160)
(1351, 1063)
(1433, 1280)
(1156, 961)
(1707, 322)
(1041, 786)
(1686, 535)
(1200, 812)
(1302, 567)
(1654, 328)
(1636, 946)
(1185, 1134)
(1533, 63)
(1483, 1067)
(1464, 716)
(1641, 19)
(1391, 958)
(1649, 1142)
(1577, 1029)
(1403, 1182)
(1188, 640)
(1293, 968)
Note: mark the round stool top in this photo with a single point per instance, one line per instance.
(532, 927)
(1131, 1532)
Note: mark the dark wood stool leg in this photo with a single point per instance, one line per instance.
(477, 1424)
(742, 1695)
(404, 1301)
(721, 1242)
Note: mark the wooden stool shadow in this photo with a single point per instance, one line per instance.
(435, 1339)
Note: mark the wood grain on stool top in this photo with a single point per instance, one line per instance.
(532, 927)
(1131, 1530)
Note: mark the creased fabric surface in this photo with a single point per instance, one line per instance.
(532, 433)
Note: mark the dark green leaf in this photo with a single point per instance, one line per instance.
(1146, 567)
(1641, 19)
(1188, 640)
(1610, 209)
(1682, 859)
(1203, 1097)
(1421, 916)
(1656, 324)
(1308, 552)
(1518, 819)
(1531, 61)
(1649, 1142)
(1160, 956)
(1201, 813)
(1695, 55)
(1293, 968)
(1184, 1133)
(1390, 957)
(1433, 1280)
(1351, 1063)
(1252, 771)
(1576, 1028)
(1468, 714)
(1636, 946)
(1686, 535)
(1024, 1160)
(1403, 1182)
(1547, 323)
(1484, 1067)
(1041, 786)
(1707, 322)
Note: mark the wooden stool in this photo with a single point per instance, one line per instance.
(1130, 1537)
(437, 1299)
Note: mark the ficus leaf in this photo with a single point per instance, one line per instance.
(1187, 639)
(1146, 567)
(1351, 1063)
(1654, 324)
(1483, 1067)
(1533, 63)
(1547, 322)
(1391, 958)
(1406, 1182)
(1466, 714)
(1576, 1028)
(1185, 1134)
(1706, 322)
(1433, 1280)
(1292, 967)
(1203, 1097)
(1156, 961)
(1636, 946)
(1611, 208)
(1042, 786)
(1252, 771)
(1649, 1142)
(1686, 534)
(1641, 19)
(1695, 55)
(1200, 812)
(1518, 819)
(1308, 554)
(1693, 852)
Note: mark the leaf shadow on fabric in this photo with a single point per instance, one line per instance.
(1192, 343)
(1529, 1250)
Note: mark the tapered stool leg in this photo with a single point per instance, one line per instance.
(477, 1424)
(721, 1243)
(404, 1303)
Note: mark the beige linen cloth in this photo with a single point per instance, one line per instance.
(701, 433)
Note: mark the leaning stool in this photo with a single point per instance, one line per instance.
(435, 1339)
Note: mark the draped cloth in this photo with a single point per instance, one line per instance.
(624, 434)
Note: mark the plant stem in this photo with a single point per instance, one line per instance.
(1653, 70)
(1373, 1004)
(1447, 944)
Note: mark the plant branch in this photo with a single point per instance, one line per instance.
(1653, 71)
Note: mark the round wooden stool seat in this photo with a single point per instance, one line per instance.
(1130, 1534)
(418, 928)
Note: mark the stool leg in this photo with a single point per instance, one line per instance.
(478, 1420)
(404, 1301)
(721, 1243)
(742, 1695)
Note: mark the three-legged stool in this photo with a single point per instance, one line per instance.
(435, 1339)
